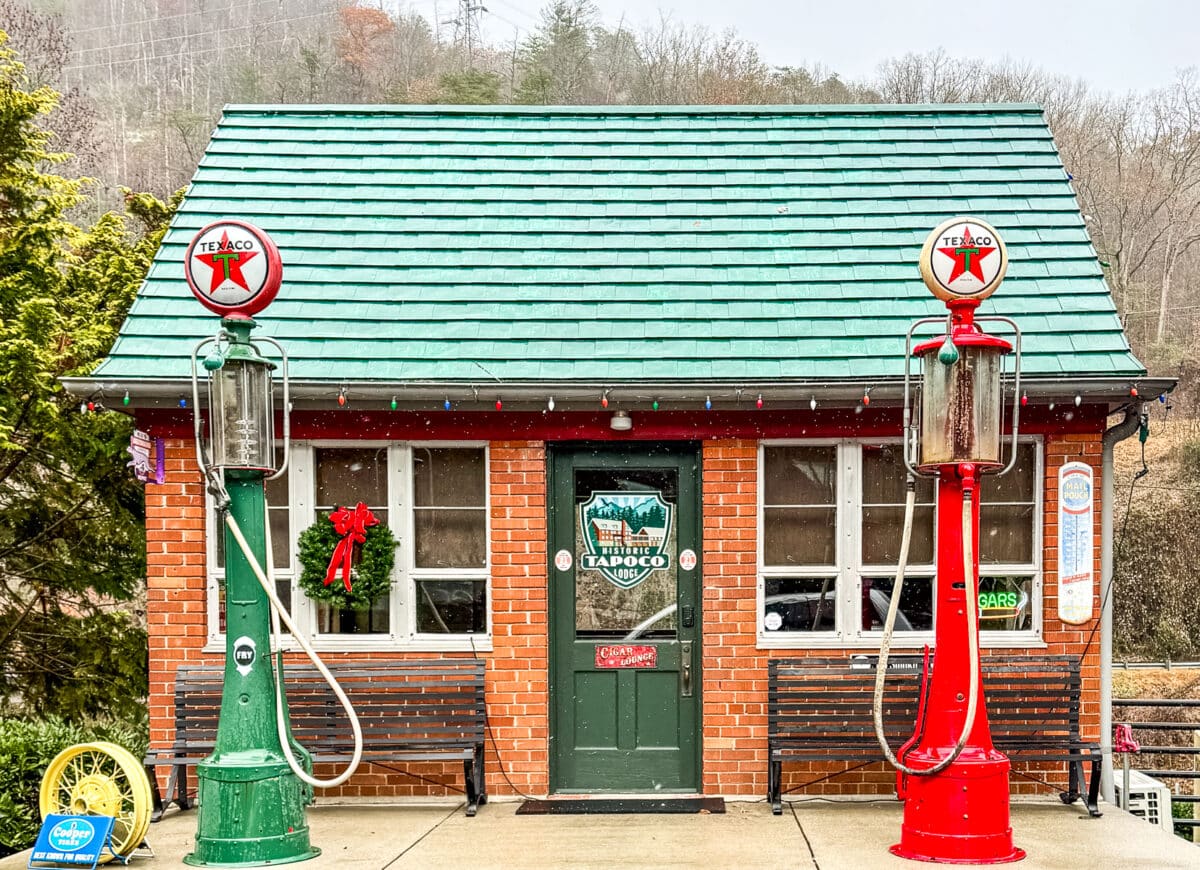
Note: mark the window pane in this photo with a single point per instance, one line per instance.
(1018, 484)
(1006, 534)
(916, 603)
(346, 477)
(884, 476)
(448, 477)
(882, 528)
(451, 606)
(799, 475)
(799, 536)
(281, 538)
(346, 621)
(799, 604)
(1005, 603)
(450, 538)
(283, 589)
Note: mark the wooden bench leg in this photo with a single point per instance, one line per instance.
(471, 783)
(155, 794)
(182, 797)
(1074, 783)
(774, 778)
(1093, 797)
(480, 775)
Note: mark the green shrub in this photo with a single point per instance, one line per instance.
(26, 749)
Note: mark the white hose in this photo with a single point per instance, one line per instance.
(279, 611)
(885, 645)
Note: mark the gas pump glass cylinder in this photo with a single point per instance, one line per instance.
(243, 420)
(960, 406)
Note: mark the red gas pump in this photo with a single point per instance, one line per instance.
(953, 782)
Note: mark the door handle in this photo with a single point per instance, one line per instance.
(685, 669)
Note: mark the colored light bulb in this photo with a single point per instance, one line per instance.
(550, 404)
(604, 401)
(183, 403)
(812, 403)
(1133, 392)
(654, 404)
(446, 404)
(125, 398)
(759, 402)
(707, 403)
(395, 404)
(1024, 399)
(499, 405)
(341, 400)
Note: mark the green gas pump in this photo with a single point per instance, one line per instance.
(253, 789)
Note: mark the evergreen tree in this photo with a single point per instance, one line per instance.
(72, 552)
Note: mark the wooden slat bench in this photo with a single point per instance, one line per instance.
(409, 710)
(819, 709)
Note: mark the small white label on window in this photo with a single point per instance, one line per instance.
(772, 621)
(563, 560)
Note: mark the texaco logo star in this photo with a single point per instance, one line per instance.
(967, 257)
(227, 265)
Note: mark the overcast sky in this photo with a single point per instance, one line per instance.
(1115, 45)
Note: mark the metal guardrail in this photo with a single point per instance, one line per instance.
(1169, 703)
(1167, 665)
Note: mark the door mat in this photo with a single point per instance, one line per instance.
(600, 806)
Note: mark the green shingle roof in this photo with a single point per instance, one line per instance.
(628, 244)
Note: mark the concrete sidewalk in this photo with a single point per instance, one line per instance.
(811, 835)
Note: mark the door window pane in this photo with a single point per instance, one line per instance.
(450, 508)
(625, 524)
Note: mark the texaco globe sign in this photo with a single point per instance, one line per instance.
(233, 268)
(964, 258)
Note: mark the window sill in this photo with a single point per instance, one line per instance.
(379, 643)
(1023, 640)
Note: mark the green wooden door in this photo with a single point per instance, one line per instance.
(625, 618)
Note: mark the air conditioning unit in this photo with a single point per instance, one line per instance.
(1148, 798)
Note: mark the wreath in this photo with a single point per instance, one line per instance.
(361, 552)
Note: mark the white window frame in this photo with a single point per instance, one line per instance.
(850, 570)
(402, 635)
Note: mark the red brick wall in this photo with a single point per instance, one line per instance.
(734, 671)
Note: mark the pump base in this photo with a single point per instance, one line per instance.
(961, 815)
(250, 812)
(1016, 855)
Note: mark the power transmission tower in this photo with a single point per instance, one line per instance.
(466, 27)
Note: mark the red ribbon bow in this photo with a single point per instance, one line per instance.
(352, 526)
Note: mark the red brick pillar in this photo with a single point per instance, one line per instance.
(175, 579)
(517, 683)
(735, 672)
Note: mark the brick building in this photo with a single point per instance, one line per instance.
(478, 302)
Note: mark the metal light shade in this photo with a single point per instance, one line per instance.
(243, 419)
(960, 406)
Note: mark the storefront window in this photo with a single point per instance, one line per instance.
(831, 525)
(450, 539)
(433, 499)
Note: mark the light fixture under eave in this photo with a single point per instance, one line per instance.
(621, 422)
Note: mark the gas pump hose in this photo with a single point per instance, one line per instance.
(278, 611)
(890, 625)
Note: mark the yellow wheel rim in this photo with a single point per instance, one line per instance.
(100, 779)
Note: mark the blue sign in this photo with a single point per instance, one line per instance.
(72, 840)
